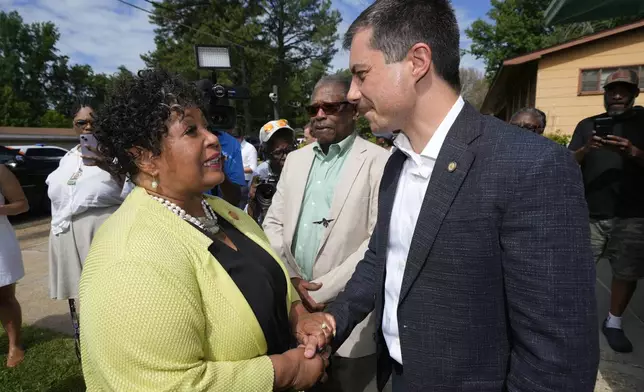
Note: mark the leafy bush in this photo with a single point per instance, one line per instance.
(363, 128)
(53, 119)
(559, 137)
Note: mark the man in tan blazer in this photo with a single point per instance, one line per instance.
(322, 216)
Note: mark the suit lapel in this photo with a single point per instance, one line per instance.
(441, 191)
(350, 171)
(297, 186)
(386, 198)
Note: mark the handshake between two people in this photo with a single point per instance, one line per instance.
(303, 367)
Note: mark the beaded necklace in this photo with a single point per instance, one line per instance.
(208, 223)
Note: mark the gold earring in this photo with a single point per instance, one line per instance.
(155, 183)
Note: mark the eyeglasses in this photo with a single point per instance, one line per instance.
(82, 124)
(329, 108)
(530, 127)
(277, 154)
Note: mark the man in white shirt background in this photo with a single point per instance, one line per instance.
(479, 270)
(249, 160)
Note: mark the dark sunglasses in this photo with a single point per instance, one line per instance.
(83, 123)
(329, 109)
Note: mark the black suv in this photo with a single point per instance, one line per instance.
(32, 174)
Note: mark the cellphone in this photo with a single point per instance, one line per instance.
(604, 126)
(88, 140)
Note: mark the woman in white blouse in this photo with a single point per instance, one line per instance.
(83, 196)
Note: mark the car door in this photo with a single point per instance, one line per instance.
(21, 169)
(41, 162)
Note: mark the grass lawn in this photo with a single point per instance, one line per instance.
(50, 364)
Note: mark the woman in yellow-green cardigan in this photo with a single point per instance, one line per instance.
(180, 291)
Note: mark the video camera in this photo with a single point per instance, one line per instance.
(220, 115)
(264, 193)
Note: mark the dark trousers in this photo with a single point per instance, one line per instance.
(350, 375)
(397, 380)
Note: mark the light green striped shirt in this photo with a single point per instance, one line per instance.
(318, 195)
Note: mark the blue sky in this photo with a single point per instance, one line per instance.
(467, 11)
(107, 34)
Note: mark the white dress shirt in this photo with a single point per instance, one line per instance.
(412, 185)
(263, 171)
(249, 158)
(75, 188)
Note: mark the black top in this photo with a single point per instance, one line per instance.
(262, 282)
(614, 183)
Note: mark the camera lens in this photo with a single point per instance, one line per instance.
(219, 91)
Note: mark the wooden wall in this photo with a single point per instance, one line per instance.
(558, 78)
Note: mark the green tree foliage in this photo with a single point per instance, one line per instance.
(13, 111)
(302, 33)
(363, 128)
(54, 119)
(38, 86)
(219, 22)
(71, 82)
(345, 72)
(27, 56)
(517, 27)
(288, 43)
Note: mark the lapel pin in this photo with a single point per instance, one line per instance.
(324, 222)
(451, 167)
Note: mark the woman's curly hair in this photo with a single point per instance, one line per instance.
(135, 114)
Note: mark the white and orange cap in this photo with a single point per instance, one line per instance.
(271, 127)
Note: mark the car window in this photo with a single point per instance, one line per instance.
(45, 152)
(6, 153)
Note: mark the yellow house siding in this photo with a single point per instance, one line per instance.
(558, 78)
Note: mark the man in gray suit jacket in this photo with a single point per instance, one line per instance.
(479, 271)
(322, 216)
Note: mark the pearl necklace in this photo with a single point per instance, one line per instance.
(207, 223)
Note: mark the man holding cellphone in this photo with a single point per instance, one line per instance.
(610, 150)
